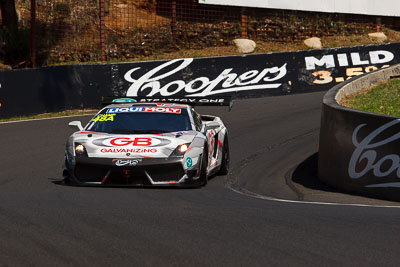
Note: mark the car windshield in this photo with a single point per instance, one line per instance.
(141, 120)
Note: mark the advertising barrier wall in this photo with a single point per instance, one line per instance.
(32, 91)
(359, 151)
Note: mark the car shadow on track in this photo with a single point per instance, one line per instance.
(63, 182)
(306, 174)
(304, 180)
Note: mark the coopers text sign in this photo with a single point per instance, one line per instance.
(251, 75)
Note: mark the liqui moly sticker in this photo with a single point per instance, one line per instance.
(145, 109)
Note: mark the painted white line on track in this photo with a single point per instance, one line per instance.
(245, 192)
(41, 119)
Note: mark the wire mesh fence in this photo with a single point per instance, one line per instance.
(67, 30)
(94, 30)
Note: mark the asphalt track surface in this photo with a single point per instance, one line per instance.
(45, 223)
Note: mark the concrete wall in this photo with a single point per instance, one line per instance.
(33, 91)
(359, 151)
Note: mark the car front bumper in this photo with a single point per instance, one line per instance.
(133, 172)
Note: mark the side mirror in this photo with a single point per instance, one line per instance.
(211, 126)
(75, 124)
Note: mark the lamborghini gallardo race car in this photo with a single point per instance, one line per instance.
(131, 143)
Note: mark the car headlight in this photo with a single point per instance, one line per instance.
(180, 150)
(183, 148)
(80, 150)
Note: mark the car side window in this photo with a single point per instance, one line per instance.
(197, 120)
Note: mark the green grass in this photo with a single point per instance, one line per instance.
(52, 115)
(383, 98)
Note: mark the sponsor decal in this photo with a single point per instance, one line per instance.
(219, 143)
(189, 162)
(360, 65)
(227, 81)
(145, 109)
(325, 77)
(128, 150)
(126, 162)
(351, 59)
(211, 135)
(104, 117)
(131, 142)
(126, 141)
(365, 152)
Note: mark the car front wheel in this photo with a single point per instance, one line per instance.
(224, 169)
(203, 168)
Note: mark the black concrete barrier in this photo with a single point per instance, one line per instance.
(359, 151)
(32, 91)
(35, 91)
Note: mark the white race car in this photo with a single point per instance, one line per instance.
(130, 143)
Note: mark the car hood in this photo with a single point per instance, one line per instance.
(104, 145)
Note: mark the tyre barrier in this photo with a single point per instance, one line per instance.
(359, 151)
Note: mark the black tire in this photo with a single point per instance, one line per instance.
(67, 179)
(224, 169)
(203, 169)
(66, 174)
